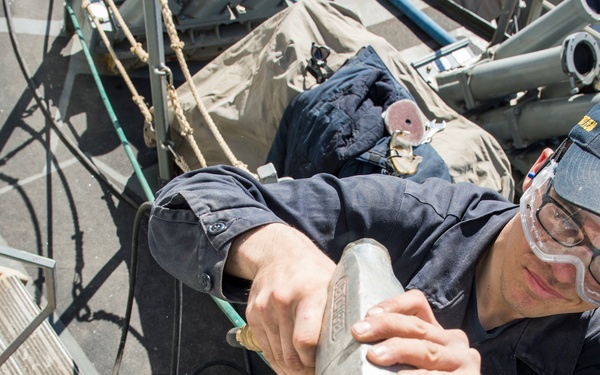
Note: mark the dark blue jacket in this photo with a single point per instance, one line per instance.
(337, 126)
(435, 231)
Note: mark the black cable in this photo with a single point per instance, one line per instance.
(91, 167)
(144, 207)
(141, 209)
(247, 361)
(177, 318)
(83, 159)
(210, 364)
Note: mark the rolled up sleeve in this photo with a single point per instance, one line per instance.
(196, 217)
(194, 220)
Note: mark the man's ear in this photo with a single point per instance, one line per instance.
(535, 168)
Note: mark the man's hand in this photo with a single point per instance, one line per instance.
(407, 333)
(290, 278)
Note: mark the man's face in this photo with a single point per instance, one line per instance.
(532, 287)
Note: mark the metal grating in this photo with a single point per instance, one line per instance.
(42, 352)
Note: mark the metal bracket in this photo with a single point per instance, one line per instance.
(163, 71)
(511, 117)
(450, 57)
(574, 89)
(267, 174)
(433, 127)
(463, 80)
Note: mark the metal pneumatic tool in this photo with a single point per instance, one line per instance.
(362, 278)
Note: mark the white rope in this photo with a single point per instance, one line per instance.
(185, 129)
(177, 46)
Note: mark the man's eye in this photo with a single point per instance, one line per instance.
(567, 229)
(566, 224)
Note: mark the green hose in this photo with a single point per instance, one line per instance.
(109, 109)
(226, 307)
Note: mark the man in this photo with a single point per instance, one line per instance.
(490, 288)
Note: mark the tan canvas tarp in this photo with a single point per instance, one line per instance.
(247, 88)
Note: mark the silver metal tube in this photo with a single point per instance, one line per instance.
(550, 29)
(588, 29)
(154, 38)
(575, 60)
(524, 124)
(496, 79)
(535, 10)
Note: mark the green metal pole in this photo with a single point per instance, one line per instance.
(158, 87)
(111, 113)
(225, 306)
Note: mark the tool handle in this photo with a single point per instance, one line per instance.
(242, 338)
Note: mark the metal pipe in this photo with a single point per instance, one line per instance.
(530, 122)
(107, 104)
(548, 30)
(424, 22)
(576, 61)
(156, 63)
(548, 6)
(535, 11)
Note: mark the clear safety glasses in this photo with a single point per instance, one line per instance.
(559, 232)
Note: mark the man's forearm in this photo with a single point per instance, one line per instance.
(264, 245)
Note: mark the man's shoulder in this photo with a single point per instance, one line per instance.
(588, 360)
(461, 199)
(593, 331)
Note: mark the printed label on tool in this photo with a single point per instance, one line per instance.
(338, 313)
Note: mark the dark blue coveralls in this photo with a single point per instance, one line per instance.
(435, 232)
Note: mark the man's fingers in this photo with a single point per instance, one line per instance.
(265, 327)
(385, 325)
(278, 347)
(407, 333)
(289, 355)
(288, 336)
(425, 354)
(307, 329)
(287, 299)
(412, 302)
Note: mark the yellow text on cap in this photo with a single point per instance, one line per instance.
(587, 123)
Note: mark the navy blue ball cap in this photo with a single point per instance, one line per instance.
(577, 176)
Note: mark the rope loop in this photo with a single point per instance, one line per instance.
(140, 53)
(185, 131)
(177, 45)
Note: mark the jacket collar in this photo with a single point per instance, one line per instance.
(449, 290)
(560, 348)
